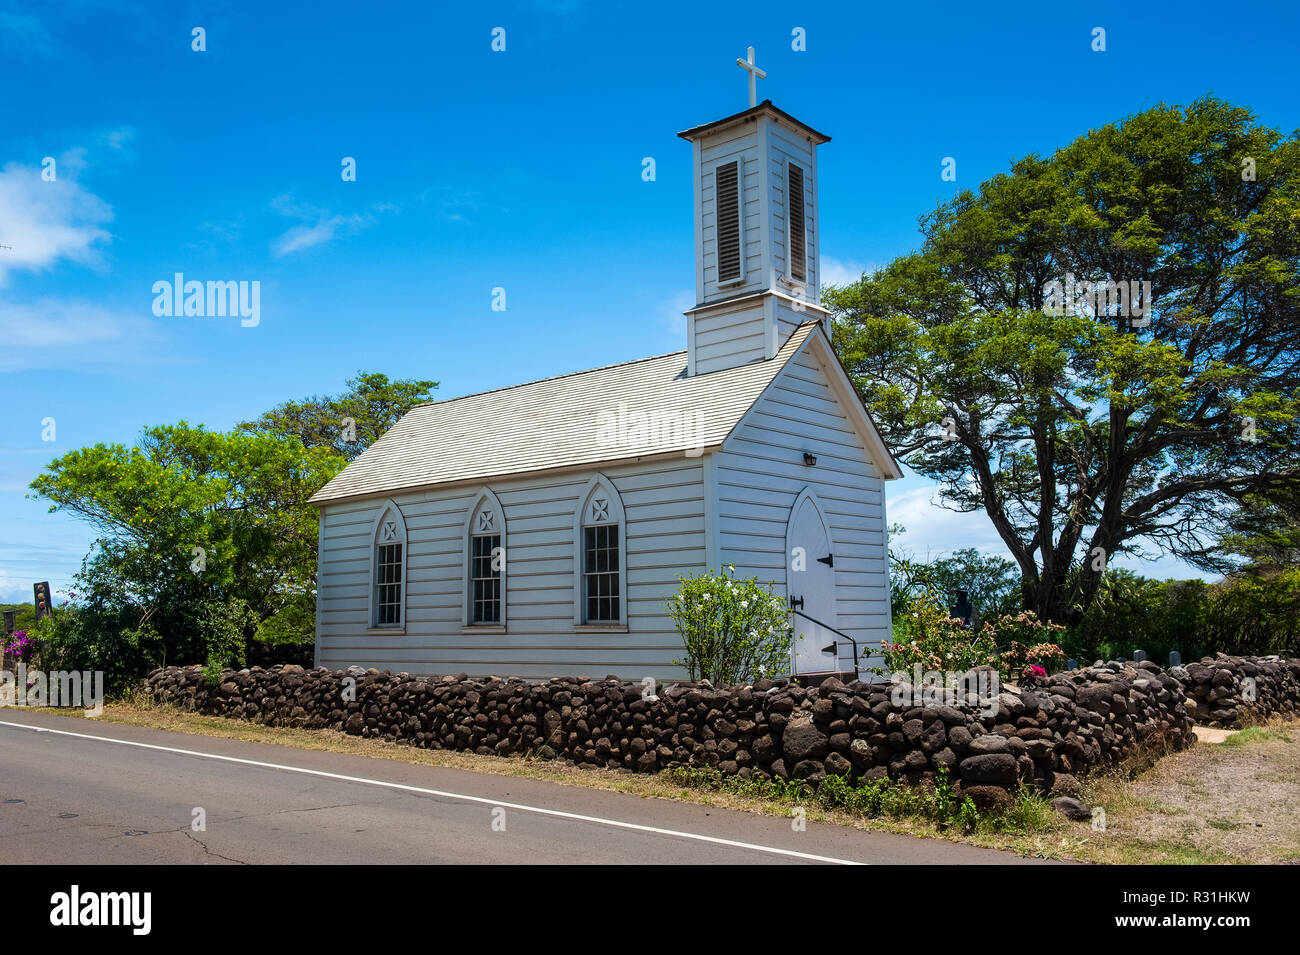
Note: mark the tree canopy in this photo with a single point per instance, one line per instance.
(991, 583)
(1084, 425)
(347, 423)
(196, 515)
(206, 538)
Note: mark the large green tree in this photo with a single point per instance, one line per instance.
(199, 530)
(347, 423)
(1098, 428)
(207, 539)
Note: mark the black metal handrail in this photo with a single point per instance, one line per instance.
(834, 631)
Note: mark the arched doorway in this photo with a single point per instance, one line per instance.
(810, 584)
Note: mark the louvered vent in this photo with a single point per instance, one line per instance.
(726, 181)
(798, 248)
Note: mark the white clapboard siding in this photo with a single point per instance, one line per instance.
(759, 473)
(726, 337)
(664, 507)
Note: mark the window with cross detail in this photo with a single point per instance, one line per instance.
(600, 552)
(486, 561)
(389, 570)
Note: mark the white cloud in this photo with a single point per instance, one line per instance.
(43, 222)
(319, 226)
(306, 236)
(842, 272)
(46, 222)
(932, 530)
(50, 333)
(24, 568)
(119, 139)
(670, 312)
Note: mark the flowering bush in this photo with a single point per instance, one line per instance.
(20, 646)
(1025, 641)
(936, 641)
(735, 631)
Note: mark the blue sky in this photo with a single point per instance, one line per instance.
(478, 169)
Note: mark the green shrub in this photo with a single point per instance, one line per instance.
(1131, 613)
(1253, 612)
(734, 631)
(78, 638)
(125, 644)
(1023, 641)
(928, 637)
(1030, 811)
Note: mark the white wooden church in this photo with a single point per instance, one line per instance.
(539, 530)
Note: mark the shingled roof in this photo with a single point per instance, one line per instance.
(555, 423)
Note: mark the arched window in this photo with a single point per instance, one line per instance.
(485, 562)
(388, 575)
(600, 547)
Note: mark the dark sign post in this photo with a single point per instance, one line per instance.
(44, 608)
(10, 615)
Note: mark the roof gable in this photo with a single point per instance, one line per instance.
(842, 387)
(818, 346)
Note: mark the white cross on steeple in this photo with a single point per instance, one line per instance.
(755, 74)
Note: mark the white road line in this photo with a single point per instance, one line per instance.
(597, 820)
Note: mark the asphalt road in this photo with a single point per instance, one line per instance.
(81, 792)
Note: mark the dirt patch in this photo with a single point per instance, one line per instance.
(1209, 734)
(1235, 802)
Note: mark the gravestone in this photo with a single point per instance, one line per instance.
(1139, 656)
(964, 611)
(1071, 664)
(1175, 658)
(9, 621)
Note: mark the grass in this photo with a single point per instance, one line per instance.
(1254, 734)
(1207, 805)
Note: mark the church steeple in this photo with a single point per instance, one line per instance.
(756, 229)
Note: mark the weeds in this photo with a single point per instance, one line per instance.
(868, 798)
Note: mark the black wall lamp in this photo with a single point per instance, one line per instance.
(809, 458)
